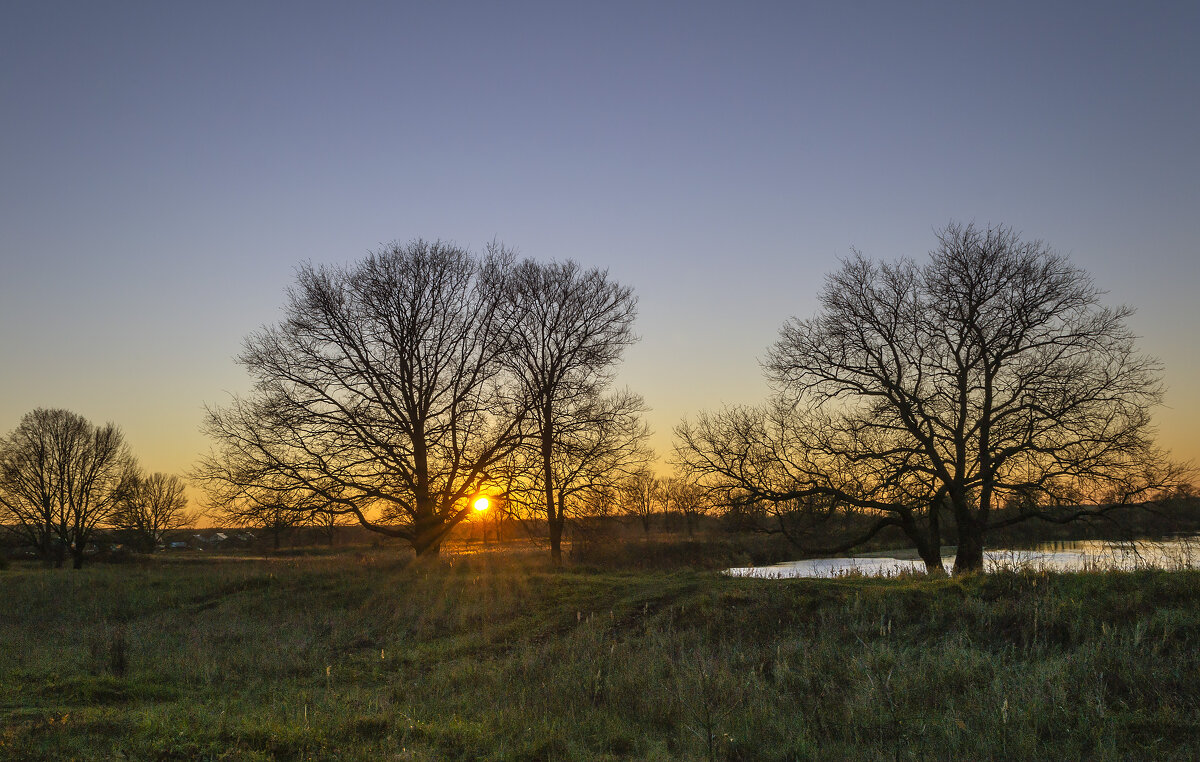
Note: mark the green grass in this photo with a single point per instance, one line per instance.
(498, 657)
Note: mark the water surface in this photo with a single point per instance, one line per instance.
(1181, 552)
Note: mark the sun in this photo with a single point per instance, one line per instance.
(481, 504)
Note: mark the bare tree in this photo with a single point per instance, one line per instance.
(61, 478)
(926, 392)
(642, 496)
(681, 493)
(565, 330)
(150, 507)
(786, 468)
(599, 441)
(381, 393)
(328, 522)
(275, 508)
(29, 494)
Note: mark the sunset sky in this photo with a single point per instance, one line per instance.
(164, 166)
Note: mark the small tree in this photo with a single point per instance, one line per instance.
(275, 513)
(151, 506)
(642, 496)
(61, 478)
(238, 494)
(327, 523)
(599, 441)
(684, 495)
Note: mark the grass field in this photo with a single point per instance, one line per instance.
(359, 656)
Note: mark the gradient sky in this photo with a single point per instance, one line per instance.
(164, 166)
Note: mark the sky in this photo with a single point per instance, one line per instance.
(164, 167)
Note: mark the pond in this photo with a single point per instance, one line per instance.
(1174, 553)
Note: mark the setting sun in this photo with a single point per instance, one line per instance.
(481, 504)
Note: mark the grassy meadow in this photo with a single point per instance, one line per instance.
(358, 655)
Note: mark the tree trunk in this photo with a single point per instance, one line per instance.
(427, 526)
(970, 547)
(932, 556)
(556, 529)
(928, 543)
(76, 559)
(428, 533)
(554, 519)
(427, 545)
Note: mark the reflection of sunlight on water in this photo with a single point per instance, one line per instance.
(1085, 555)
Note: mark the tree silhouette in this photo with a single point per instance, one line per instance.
(152, 505)
(381, 393)
(926, 392)
(565, 329)
(61, 478)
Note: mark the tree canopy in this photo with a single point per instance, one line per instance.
(399, 387)
(62, 477)
(381, 393)
(922, 392)
(565, 329)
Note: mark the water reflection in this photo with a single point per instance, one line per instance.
(1082, 555)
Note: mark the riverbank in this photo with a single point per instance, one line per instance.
(1058, 556)
(760, 543)
(499, 657)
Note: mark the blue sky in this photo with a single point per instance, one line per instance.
(164, 167)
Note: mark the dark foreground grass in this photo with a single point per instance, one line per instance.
(502, 658)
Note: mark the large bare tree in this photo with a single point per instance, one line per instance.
(565, 329)
(934, 391)
(381, 393)
(61, 478)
